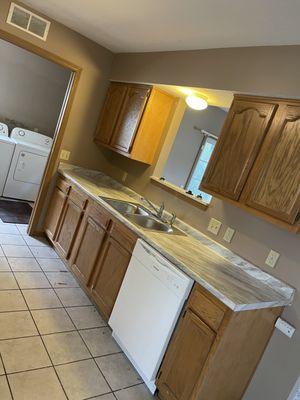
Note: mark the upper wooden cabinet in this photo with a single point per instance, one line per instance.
(274, 185)
(133, 120)
(238, 145)
(256, 162)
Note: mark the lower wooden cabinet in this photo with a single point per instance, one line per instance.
(209, 360)
(185, 358)
(89, 243)
(109, 275)
(56, 207)
(70, 221)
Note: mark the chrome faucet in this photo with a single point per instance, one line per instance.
(172, 219)
(158, 211)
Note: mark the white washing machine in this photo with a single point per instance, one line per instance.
(7, 147)
(27, 165)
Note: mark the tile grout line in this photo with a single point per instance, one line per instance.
(66, 310)
(44, 344)
(75, 330)
(6, 377)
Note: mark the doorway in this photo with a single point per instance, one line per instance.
(36, 119)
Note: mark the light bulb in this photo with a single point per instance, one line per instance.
(196, 103)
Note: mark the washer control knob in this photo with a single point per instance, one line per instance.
(21, 133)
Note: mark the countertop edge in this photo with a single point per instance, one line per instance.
(230, 304)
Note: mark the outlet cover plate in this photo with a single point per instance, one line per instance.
(228, 235)
(64, 155)
(214, 226)
(272, 258)
(285, 327)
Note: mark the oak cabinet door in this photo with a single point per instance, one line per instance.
(110, 112)
(87, 248)
(185, 358)
(111, 270)
(129, 119)
(237, 148)
(54, 212)
(274, 185)
(68, 228)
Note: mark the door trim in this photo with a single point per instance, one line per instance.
(61, 124)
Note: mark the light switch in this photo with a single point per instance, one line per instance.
(228, 235)
(64, 155)
(272, 258)
(214, 226)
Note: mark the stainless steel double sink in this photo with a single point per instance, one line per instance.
(141, 216)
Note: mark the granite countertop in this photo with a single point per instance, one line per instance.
(237, 283)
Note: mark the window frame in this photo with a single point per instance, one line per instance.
(206, 135)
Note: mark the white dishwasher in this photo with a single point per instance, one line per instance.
(147, 308)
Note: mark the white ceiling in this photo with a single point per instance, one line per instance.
(159, 25)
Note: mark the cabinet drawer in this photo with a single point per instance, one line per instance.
(63, 185)
(98, 214)
(207, 309)
(124, 236)
(78, 198)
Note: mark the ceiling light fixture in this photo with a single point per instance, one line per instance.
(196, 102)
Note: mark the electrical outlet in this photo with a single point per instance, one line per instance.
(214, 226)
(64, 155)
(285, 327)
(228, 235)
(272, 258)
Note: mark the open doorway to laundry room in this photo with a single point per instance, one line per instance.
(33, 95)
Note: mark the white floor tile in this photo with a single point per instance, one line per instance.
(7, 281)
(118, 371)
(52, 265)
(12, 300)
(9, 229)
(32, 280)
(41, 384)
(85, 317)
(20, 264)
(41, 299)
(100, 341)
(139, 392)
(4, 266)
(4, 389)
(43, 252)
(16, 251)
(72, 297)
(16, 324)
(52, 321)
(66, 347)
(61, 279)
(82, 380)
(22, 228)
(36, 241)
(24, 354)
(12, 239)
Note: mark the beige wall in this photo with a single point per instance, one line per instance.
(95, 62)
(257, 70)
(269, 71)
(33, 89)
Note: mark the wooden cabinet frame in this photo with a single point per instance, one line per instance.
(231, 351)
(277, 162)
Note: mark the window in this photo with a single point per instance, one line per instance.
(200, 164)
